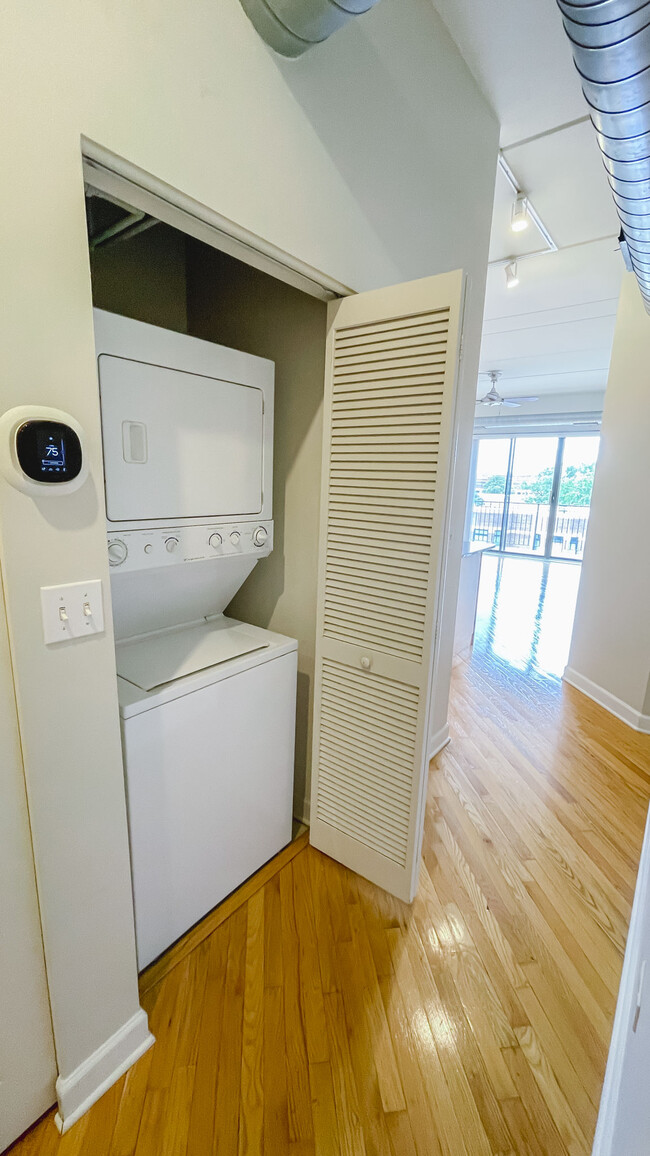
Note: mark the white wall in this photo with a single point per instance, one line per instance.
(624, 1115)
(610, 648)
(27, 1060)
(372, 158)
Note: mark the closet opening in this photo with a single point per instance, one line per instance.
(147, 271)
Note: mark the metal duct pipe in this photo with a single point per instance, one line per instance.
(611, 50)
(290, 27)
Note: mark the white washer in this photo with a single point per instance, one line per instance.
(209, 767)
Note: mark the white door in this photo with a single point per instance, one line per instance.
(391, 373)
(27, 1063)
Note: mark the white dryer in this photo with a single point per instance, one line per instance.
(207, 704)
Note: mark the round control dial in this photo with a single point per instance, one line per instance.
(171, 544)
(117, 552)
(260, 535)
(215, 540)
(234, 537)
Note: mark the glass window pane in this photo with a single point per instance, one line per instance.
(530, 495)
(489, 491)
(574, 496)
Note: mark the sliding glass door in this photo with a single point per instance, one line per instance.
(532, 494)
(492, 468)
(574, 496)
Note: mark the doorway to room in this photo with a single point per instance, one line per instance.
(527, 517)
(531, 494)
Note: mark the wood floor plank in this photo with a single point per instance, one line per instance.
(311, 990)
(420, 1108)
(544, 1126)
(301, 1126)
(326, 1130)
(581, 1092)
(202, 1112)
(129, 1111)
(445, 1083)
(351, 1137)
(361, 964)
(363, 1059)
(226, 1113)
(276, 1113)
(251, 1107)
(556, 1102)
(474, 1086)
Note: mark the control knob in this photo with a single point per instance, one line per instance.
(171, 544)
(260, 535)
(234, 537)
(117, 552)
(215, 540)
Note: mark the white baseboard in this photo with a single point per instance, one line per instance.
(622, 710)
(77, 1092)
(437, 742)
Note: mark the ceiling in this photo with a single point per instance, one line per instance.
(553, 332)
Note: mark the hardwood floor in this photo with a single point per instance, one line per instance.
(322, 1016)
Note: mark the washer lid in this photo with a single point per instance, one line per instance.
(171, 654)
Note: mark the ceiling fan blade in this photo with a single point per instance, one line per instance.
(520, 399)
(511, 402)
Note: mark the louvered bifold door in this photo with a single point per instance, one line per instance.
(389, 404)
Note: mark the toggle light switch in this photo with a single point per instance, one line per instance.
(72, 611)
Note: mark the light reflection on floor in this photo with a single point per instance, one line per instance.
(524, 619)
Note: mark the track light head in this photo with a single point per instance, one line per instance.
(512, 277)
(519, 217)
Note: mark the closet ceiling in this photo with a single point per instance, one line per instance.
(553, 332)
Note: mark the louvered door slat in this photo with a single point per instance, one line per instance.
(392, 359)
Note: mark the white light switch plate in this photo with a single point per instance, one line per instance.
(72, 611)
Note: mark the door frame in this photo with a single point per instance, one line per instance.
(115, 178)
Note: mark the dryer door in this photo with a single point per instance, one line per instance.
(178, 445)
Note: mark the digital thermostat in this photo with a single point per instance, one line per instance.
(41, 450)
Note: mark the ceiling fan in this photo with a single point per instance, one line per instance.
(493, 397)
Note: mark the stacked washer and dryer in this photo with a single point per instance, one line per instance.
(207, 704)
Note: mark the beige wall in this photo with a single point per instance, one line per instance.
(372, 158)
(610, 648)
(143, 278)
(236, 305)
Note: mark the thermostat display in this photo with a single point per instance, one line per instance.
(42, 451)
(48, 451)
(52, 452)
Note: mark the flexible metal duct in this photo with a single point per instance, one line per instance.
(292, 26)
(611, 50)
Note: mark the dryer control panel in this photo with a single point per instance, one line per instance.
(146, 549)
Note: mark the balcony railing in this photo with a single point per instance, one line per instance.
(527, 528)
